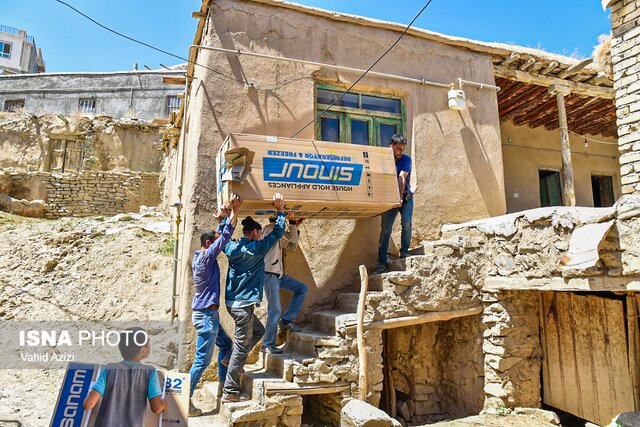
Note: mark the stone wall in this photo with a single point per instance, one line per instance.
(87, 193)
(453, 276)
(625, 50)
(28, 142)
(437, 369)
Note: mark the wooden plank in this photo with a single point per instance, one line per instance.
(174, 80)
(596, 283)
(617, 348)
(570, 102)
(583, 89)
(571, 386)
(198, 15)
(634, 347)
(543, 309)
(554, 393)
(301, 389)
(595, 314)
(582, 353)
(435, 316)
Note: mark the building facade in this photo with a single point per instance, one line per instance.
(18, 52)
(122, 94)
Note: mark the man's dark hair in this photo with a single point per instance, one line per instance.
(131, 341)
(207, 235)
(398, 139)
(249, 224)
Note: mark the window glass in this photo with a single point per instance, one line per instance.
(387, 130)
(328, 96)
(5, 50)
(173, 104)
(360, 132)
(380, 104)
(330, 127)
(87, 105)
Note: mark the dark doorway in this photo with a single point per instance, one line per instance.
(602, 187)
(550, 188)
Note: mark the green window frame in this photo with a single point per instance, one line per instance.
(345, 123)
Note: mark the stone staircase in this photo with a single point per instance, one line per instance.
(320, 359)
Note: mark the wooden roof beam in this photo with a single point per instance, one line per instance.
(543, 80)
(574, 69)
(550, 66)
(519, 101)
(553, 117)
(528, 63)
(513, 90)
(526, 108)
(511, 58)
(547, 107)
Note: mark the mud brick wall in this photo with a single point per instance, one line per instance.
(88, 193)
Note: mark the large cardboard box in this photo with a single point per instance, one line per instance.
(77, 383)
(317, 179)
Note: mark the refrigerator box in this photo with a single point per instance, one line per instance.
(317, 179)
(77, 382)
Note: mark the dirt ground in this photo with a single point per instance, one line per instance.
(107, 269)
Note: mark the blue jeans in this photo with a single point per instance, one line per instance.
(272, 286)
(225, 346)
(206, 323)
(388, 218)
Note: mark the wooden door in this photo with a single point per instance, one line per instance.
(586, 370)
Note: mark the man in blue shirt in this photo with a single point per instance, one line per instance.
(206, 279)
(403, 168)
(243, 292)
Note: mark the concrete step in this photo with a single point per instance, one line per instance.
(332, 322)
(347, 302)
(306, 342)
(375, 283)
(281, 365)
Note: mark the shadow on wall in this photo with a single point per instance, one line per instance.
(481, 167)
(329, 255)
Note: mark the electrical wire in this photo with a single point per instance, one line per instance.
(146, 44)
(593, 140)
(365, 73)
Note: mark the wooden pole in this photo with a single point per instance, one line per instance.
(568, 191)
(362, 349)
(634, 346)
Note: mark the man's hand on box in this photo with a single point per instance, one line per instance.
(221, 213)
(278, 202)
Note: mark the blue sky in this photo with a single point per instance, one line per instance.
(71, 43)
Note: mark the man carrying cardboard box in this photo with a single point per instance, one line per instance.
(275, 279)
(403, 168)
(206, 279)
(243, 293)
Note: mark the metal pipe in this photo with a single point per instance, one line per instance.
(422, 82)
(462, 82)
(178, 205)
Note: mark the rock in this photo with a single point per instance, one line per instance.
(51, 264)
(626, 419)
(403, 408)
(357, 413)
(548, 416)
